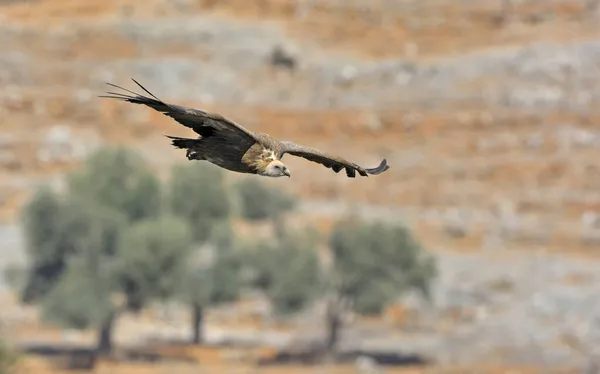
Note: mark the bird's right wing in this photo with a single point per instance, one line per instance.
(202, 122)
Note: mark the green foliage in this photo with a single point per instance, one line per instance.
(44, 234)
(375, 263)
(288, 271)
(215, 283)
(152, 254)
(118, 178)
(222, 236)
(42, 229)
(68, 228)
(107, 236)
(261, 202)
(198, 195)
(8, 358)
(261, 258)
(81, 298)
(16, 276)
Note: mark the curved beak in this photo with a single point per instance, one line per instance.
(287, 173)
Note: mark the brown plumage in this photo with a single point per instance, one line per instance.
(232, 147)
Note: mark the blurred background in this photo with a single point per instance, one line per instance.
(477, 252)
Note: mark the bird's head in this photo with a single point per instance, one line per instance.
(276, 168)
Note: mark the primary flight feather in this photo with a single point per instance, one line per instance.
(232, 147)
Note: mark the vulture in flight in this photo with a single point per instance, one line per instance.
(232, 147)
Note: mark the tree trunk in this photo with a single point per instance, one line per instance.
(105, 333)
(334, 325)
(198, 324)
(279, 226)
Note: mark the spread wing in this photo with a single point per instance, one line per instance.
(202, 122)
(332, 162)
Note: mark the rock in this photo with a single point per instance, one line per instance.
(347, 75)
(486, 118)
(182, 5)
(84, 96)
(411, 50)
(534, 141)
(39, 108)
(9, 160)
(57, 146)
(411, 120)
(537, 97)
(7, 141)
(403, 78)
(373, 122)
(283, 58)
(366, 365)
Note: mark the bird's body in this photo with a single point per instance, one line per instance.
(239, 157)
(233, 147)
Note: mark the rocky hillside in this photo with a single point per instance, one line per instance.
(488, 117)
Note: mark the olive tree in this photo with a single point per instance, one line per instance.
(210, 284)
(199, 196)
(259, 202)
(102, 238)
(8, 358)
(287, 270)
(118, 178)
(373, 264)
(46, 242)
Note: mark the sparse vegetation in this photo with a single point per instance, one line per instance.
(212, 276)
(197, 194)
(102, 239)
(105, 251)
(479, 105)
(288, 270)
(259, 202)
(8, 358)
(118, 178)
(373, 265)
(211, 284)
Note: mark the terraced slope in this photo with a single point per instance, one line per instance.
(490, 127)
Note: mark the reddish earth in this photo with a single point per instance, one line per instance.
(468, 155)
(441, 149)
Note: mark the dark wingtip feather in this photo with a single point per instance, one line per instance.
(143, 88)
(135, 97)
(383, 166)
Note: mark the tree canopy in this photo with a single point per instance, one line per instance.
(287, 270)
(259, 202)
(198, 194)
(117, 231)
(152, 255)
(374, 263)
(118, 178)
(104, 237)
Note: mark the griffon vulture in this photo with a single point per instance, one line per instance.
(232, 147)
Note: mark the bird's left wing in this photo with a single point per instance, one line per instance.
(333, 162)
(202, 122)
